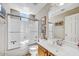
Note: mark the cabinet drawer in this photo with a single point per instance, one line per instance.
(43, 52)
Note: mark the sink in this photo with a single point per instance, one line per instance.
(50, 42)
(54, 46)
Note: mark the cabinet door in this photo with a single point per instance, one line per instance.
(40, 51)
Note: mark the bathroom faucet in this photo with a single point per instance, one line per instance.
(59, 42)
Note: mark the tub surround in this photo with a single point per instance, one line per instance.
(63, 50)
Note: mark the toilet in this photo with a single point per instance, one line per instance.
(33, 49)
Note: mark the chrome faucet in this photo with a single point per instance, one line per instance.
(59, 42)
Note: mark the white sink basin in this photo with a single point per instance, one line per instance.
(54, 46)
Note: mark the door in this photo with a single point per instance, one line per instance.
(25, 30)
(14, 32)
(33, 31)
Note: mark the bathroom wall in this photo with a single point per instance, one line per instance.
(43, 12)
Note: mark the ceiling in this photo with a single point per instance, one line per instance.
(29, 8)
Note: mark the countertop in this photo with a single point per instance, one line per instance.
(63, 50)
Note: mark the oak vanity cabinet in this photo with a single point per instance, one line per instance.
(43, 52)
(50, 54)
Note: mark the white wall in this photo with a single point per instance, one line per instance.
(43, 12)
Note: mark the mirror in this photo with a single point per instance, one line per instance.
(43, 26)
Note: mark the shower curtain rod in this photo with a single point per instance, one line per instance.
(21, 17)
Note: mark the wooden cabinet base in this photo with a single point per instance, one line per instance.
(43, 52)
